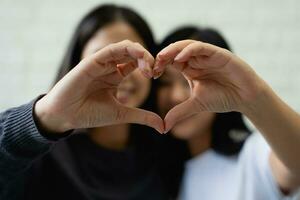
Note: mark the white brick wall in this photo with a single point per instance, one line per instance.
(35, 33)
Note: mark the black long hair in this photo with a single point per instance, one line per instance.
(95, 20)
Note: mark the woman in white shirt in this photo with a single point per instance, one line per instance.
(215, 82)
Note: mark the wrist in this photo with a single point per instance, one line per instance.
(259, 103)
(48, 120)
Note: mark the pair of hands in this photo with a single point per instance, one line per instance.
(85, 97)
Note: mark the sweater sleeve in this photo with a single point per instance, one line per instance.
(21, 143)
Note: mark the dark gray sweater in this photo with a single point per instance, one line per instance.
(20, 144)
(34, 167)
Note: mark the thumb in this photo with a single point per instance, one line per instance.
(180, 112)
(140, 116)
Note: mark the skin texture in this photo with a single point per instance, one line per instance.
(220, 82)
(134, 88)
(85, 97)
(174, 90)
(132, 91)
(196, 130)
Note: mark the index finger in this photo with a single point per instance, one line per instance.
(118, 51)
(168, 54)
(126, 50)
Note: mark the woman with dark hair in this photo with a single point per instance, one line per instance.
(112, 161)
(226, 161)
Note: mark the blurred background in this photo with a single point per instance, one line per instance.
(34, 35)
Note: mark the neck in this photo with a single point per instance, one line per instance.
(199, 144)
(112, 137)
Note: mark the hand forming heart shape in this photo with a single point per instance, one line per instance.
(85, 97)
(219, 80)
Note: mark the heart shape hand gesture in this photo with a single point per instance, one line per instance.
(85, 97)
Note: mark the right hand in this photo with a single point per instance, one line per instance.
(85, 97)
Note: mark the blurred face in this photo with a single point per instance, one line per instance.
(174, 89)
(134, 89)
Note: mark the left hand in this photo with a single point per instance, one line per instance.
(219, 80)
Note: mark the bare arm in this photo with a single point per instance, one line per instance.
(222, 82)
(280, 125)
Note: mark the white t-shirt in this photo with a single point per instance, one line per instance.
(248, 176)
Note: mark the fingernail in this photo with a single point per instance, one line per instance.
(161, 131)
(178, 57)
(165, 128)
(157, 75)
(162, 53)
(158, 71)
(141, 63)
(156, 68)
(150, 75)
(146, 74)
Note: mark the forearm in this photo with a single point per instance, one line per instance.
(280, 125)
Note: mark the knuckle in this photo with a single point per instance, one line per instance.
(120, 114)
(127, 42)
(111, 52)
